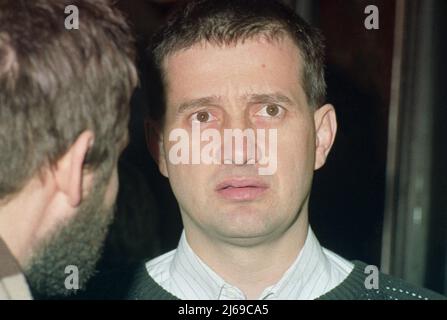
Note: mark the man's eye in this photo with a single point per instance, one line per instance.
(202, 117)
(270, 110)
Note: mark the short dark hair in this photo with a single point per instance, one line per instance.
(233, 21)
(56, 83)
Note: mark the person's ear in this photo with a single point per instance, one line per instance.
(69, 169)
(155, 145)
(326, 128)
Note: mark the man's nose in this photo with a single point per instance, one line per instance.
(239, 143)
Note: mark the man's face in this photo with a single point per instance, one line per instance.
(77, 242)
(251, 85)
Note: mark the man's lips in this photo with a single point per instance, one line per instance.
(241, 189)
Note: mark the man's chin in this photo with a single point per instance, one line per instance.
(64, 262)
(244, 236)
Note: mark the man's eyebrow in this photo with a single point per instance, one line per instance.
(268, 98)
(197, 103)
(250, 98)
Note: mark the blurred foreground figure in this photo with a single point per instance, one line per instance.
(64, 109)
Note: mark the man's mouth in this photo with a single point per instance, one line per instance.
(241, 189)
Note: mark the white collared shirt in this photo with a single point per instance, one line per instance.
(315, 272)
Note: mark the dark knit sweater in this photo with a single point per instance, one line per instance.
(138, 285)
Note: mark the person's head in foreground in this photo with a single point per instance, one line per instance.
(64, 108)
(252, 65)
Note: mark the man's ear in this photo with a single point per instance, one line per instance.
(69, 170)
(326, 129)
(155, 145)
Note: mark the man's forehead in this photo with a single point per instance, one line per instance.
(255, 66)
(205, 49)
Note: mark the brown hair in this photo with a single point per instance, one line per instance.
(56, 83)
(233, 21)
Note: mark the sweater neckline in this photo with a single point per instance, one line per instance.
(348, 289)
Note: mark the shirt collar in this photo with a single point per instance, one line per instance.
(193, 275)
(305, 278)
(12, 282)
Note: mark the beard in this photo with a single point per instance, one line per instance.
(77, 243)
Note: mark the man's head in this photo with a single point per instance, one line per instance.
(223, 23)
(64, 108)
(244, 64)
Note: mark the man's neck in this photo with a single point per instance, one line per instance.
(19, 219)
(251, 268)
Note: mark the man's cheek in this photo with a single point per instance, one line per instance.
(112, 189)
(183, 177)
